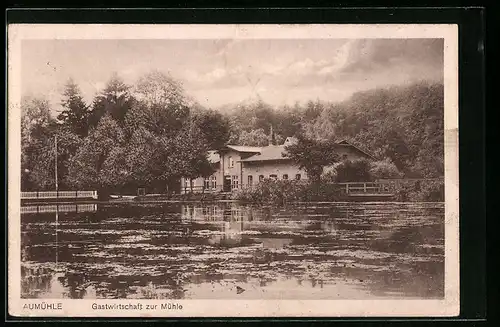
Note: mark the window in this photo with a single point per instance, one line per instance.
(285, 176)
(297, 177)
(250, 180)
(261, 178)
(207, 183)
(234, 181)
(213, 182)
(273, 177)
(231, 162)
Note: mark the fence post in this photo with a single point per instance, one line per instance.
(347, 188)
(364, 187)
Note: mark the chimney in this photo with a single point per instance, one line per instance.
(272, 140)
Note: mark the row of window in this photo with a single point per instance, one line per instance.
(211, 182)
(272, 176)
(230, 163)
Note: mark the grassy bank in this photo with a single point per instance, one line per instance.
(285, 191)
(419, 191)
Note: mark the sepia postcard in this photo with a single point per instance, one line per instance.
(233, 170)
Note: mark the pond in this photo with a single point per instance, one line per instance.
(232, 251)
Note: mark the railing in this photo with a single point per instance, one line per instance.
(365, 188)
(200, 189)
(58, 195)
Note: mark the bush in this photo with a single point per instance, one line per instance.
(384, 169)
(432, 191)
(420, 191)
(353, 171)
(284, 191)
(279, 192)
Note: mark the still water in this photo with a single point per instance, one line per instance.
(231, 251)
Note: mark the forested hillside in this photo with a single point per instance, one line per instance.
(151, 133)
(403, 124)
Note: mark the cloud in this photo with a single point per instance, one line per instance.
(218, 76)
(225, 46)
(374, 55)
(226, 70)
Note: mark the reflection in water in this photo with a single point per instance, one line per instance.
(175, 251)
(87, 207)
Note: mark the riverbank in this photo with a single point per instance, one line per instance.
(282, 193)
(285, 191)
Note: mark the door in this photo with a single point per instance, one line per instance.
(227, 184)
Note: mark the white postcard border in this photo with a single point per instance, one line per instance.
(237, 308)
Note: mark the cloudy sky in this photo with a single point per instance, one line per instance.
(219, 72)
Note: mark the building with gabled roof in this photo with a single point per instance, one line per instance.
(244, 166)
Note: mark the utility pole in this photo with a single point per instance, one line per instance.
(57, 206)
(57, 184)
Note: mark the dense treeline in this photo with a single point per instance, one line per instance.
(151, 133)
(402, 125)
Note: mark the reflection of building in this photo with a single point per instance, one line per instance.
(329, 227)
(274, 243)
(250, 218)
(244, 166)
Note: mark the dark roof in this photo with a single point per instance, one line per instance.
(244, 148)
(271, 152)
(345, 143)
(275, 152)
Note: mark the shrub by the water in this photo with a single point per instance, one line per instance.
(353, 171)
(420, 191)
(285, 191)
(384, 169)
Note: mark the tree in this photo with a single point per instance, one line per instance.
(38, 163)
(35, 114)
(159, 89)
(214, 128)
(403, 124)
(384, 169)
(191, 155)
(162, 106)
(75, 112)
(115, 99)
(88, 167)
(255, 137)
(35, 124)
(353, 171)
(312, 156)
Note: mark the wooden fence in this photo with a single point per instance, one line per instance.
(200, 189)
(58, 195)
(365, 188)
